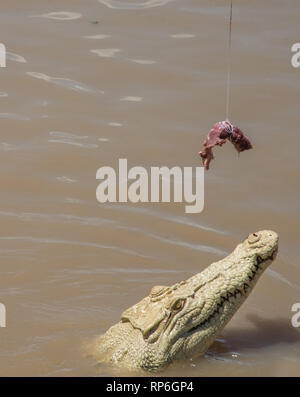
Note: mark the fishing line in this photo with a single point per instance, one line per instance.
(229, 65)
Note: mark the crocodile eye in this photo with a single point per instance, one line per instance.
(253, 238)
(177, 304)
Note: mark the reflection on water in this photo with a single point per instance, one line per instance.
(70, 266)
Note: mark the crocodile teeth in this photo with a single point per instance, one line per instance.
(259, 260)
(233, 294)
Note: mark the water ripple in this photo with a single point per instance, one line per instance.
(61, 15)
(170, 218)
(106, 52)
(52, 218)
(7, 146)
(126, 270)
(58, 218)
(68, 138)
(130, 5)
(98, 36)
(68, 142)
(46, 240)
(132, 98)
(114, 124)
(14, 116)
(280, 277)
(68, 135)
(178, 243)
(182, 36)
(67, 83)
(143, 61)
(65, 179)
(15, 57)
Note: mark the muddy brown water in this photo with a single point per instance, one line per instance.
(89, 82)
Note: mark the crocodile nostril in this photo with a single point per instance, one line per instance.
(253, 238)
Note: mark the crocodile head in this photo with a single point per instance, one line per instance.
(183, 320)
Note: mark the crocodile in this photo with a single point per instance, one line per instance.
(183, 320)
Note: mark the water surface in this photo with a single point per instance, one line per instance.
(89, 82)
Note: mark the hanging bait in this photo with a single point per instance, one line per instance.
(224, 129)
(217, 136)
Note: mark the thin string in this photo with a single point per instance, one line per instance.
(229, 65)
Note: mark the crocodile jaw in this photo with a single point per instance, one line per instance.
(228, 283)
